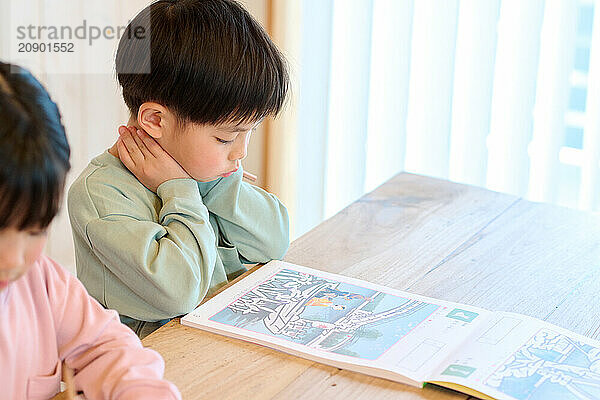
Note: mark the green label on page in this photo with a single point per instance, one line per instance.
(458, 370)
(462, 315)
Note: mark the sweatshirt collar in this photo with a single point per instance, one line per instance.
(107, 159)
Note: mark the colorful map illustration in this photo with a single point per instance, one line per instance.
(550, 365)
(325, 314)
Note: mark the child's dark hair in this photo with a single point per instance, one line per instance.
(34, 153)
(208, 61)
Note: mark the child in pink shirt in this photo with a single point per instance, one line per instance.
(46, 315)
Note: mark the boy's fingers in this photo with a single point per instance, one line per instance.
(132, 148)
(153, 147)
(124, 155)
(138, 140)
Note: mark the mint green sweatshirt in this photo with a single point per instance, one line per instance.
(155, 256)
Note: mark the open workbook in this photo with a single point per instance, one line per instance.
(376, 330)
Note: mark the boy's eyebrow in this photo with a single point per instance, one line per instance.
(237, 128)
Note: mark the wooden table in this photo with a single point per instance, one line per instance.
(426, 236)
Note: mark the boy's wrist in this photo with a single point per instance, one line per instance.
(179, 187)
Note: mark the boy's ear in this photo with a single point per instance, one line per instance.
(155, 119)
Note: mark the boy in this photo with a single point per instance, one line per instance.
(46, 316)
(163, 216)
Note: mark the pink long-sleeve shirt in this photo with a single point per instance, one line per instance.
(47, 317)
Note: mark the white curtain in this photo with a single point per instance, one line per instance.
(502, 94)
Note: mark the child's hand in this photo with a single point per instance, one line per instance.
(144, 157)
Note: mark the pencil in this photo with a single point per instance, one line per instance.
(249, 176)
(68, 378)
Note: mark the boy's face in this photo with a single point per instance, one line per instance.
(209, 152)
(19, 250)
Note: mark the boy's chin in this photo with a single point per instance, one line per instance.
(208, 179)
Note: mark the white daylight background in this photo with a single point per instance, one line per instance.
(502, 94)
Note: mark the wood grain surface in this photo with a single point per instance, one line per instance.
(427, 236)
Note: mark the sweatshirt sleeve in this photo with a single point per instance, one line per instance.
(166, 259)
(107, 358)
(251, 219)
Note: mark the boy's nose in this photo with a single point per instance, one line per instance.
(239, 153)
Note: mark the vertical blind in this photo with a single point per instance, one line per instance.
(502, 94)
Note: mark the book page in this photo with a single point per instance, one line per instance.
(340, 321)
(518, 357)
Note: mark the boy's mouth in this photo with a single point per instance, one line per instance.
(225, 175)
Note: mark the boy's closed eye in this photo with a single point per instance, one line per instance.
(235, 132)
(228, 136)
(223, 140)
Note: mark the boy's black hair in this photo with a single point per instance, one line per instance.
(208, 61)
(34, 152)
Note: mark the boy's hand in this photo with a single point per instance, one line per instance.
(144, 157)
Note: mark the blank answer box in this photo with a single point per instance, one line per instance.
(499, 330)
(424, 352)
